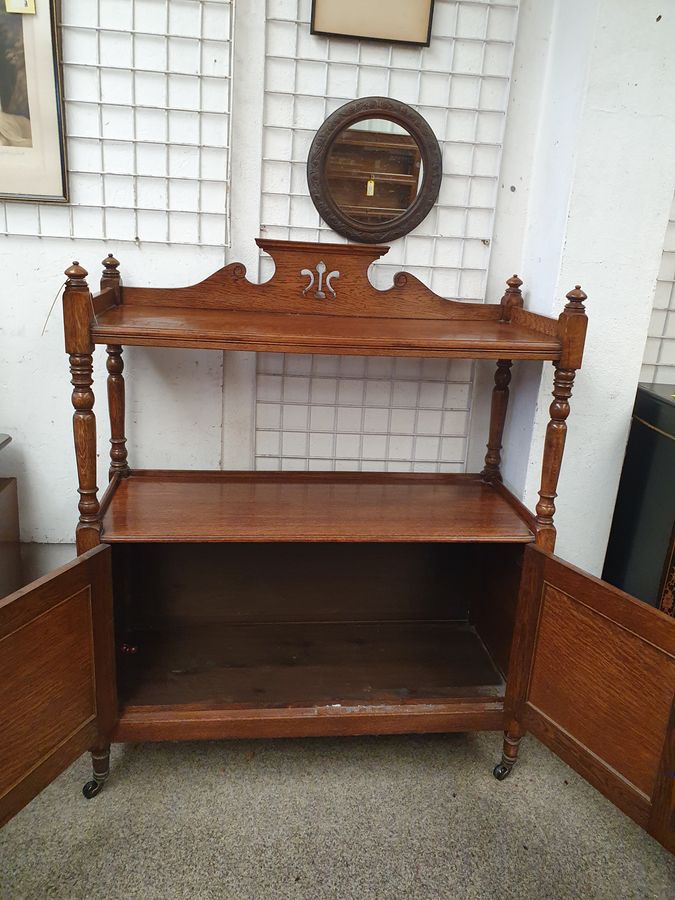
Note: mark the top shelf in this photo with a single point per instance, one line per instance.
(319, 300)
(288, 333)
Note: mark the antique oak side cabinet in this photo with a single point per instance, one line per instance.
(209, 605)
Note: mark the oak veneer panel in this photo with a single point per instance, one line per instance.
(203, 507)
(298, 333)
(56, 694)
(308, 664)
(57, 677)
(608, 687)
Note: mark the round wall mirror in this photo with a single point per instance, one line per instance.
(374, 169)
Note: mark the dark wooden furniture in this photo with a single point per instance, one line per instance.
(251, 604)
(344, 161)
(641, 550)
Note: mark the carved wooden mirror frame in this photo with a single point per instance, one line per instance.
(432, 169)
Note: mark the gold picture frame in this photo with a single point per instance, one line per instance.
(33, 163)
(394, 21)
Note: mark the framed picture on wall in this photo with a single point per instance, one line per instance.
(32, 143)
(396, 21)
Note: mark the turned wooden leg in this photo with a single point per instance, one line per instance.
(500, 400)
(118, 442)
(100, 763)
(556, 432)
(84, 433)
(512, 739)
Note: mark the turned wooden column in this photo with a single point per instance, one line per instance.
(500, 394)
(77, 313)
(500, 400)
(118, 442)
(572, 329)
(110, 278)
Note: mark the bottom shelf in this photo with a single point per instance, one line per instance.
(235, 680)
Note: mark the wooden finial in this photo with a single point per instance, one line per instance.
(110, 277)
(110, 266)
(512, 297)
(576, 301)
(77, 276)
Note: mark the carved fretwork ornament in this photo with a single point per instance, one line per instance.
(319, 293)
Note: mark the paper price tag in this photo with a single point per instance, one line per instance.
(27, 7)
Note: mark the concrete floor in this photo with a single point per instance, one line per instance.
(354, 818)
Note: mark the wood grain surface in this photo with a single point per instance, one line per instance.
(280, 680)
(595, 681)
(307, 664)
(162, 325)
(57, 678)
(280, 506)
(174, 723)
(287, 290)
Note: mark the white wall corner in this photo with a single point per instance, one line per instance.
(614, 216)
(562, 77)
(526, 99)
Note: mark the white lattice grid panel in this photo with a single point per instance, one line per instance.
(367, 413)
(659, 359)
(460, 85)
(148, 94)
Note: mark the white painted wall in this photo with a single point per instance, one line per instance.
(597, 212)
(174, 398)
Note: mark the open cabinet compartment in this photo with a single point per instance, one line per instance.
(310, 638)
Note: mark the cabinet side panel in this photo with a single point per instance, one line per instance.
(492, 583)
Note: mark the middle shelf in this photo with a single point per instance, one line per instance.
(177, 506)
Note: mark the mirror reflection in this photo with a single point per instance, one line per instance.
(374, 171)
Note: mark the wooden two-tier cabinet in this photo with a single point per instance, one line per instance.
(208, 605)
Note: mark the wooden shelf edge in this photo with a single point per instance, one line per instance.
(102, 334)
(333, 350)
(176, 723)
(314, 538)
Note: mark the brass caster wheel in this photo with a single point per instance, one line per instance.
(92, 788)
(500, 771)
